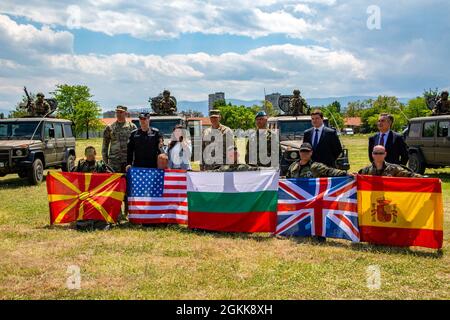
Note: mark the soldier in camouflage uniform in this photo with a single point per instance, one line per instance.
(442, 105)
(261, 124)
(115, 141)
(91, 165)
(40, 107)
(233, 156)
(380, 167)
(298, 105)
(306, 168)
(166, 104)
(208, 138)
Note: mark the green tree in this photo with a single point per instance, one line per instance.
(238, 117)
(383, 104)
(417, 108)
(336, 105)
(2, 115)
(269, 109)
(86, 117)
(334, 116)
(355, 108)
(69, 96)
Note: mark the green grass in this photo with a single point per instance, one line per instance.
(176, 263)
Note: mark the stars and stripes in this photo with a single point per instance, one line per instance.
(157, 196)
(324, 207)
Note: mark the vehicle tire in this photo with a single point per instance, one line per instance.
(67, 166)
(36, 172)
(416, 164)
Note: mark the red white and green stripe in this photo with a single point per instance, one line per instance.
(233, 201)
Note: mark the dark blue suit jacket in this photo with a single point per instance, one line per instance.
(396, 148)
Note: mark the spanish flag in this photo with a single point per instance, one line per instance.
(76, 196)
(400, 211)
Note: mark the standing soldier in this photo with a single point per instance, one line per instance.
(115, 140)
(442, 105)
(40, 107)
(380, 167)
(262, 132)
(208, 138)
(298, 105)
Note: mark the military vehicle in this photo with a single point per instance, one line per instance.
(28, 146)
(428, 141)
(291, 130)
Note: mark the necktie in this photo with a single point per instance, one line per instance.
(316, 139)
(382, 139)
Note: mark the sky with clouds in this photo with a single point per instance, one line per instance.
(126, 51)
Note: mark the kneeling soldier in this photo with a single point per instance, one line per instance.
(90, 165)
(306, 168)
(380, 167)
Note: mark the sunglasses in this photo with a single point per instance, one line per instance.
(378, 153)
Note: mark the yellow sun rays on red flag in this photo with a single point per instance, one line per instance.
(76, 196)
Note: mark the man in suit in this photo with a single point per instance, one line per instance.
(325, 142)
(396, 148)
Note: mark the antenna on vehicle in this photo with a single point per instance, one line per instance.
(47, 114)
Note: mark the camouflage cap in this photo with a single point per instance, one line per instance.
(121, 108)
(306, 146)
(40, 94)
(214, 113)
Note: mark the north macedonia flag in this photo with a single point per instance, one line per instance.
(76, 196)
(400, 211)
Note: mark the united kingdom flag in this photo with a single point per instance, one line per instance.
(324, 207)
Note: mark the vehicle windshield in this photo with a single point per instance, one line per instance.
(17, 130)
(292, 130)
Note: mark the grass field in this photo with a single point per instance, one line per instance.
(176, 263)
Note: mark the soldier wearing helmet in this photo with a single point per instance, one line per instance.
(298, 105)
(39, 107)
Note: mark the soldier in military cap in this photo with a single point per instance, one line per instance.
(39, 107)
(442, 105)
(208, 138)
(91, 165)
(144, 145)
(115, 140)
(255, 139)
(233, 156)
(298, 105)
(306, 168)
(380, 167)
(166, 104)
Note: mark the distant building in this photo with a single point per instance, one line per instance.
(213, 97)
(354, 123)
(273, 99)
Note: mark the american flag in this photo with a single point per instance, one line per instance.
(157, 196)
(324, 207)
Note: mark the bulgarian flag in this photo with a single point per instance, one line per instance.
(400, 211)
(233, 201)
(76, 196)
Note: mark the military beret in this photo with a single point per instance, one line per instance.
(261, 114)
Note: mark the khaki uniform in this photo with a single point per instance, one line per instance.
(313, 170)
(39, 109)
(388, 170)
(208, 138)
(115, 141)
(255, 139)
(442, 107)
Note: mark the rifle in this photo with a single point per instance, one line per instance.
(28, 99)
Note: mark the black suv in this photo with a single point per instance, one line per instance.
(30, 145)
